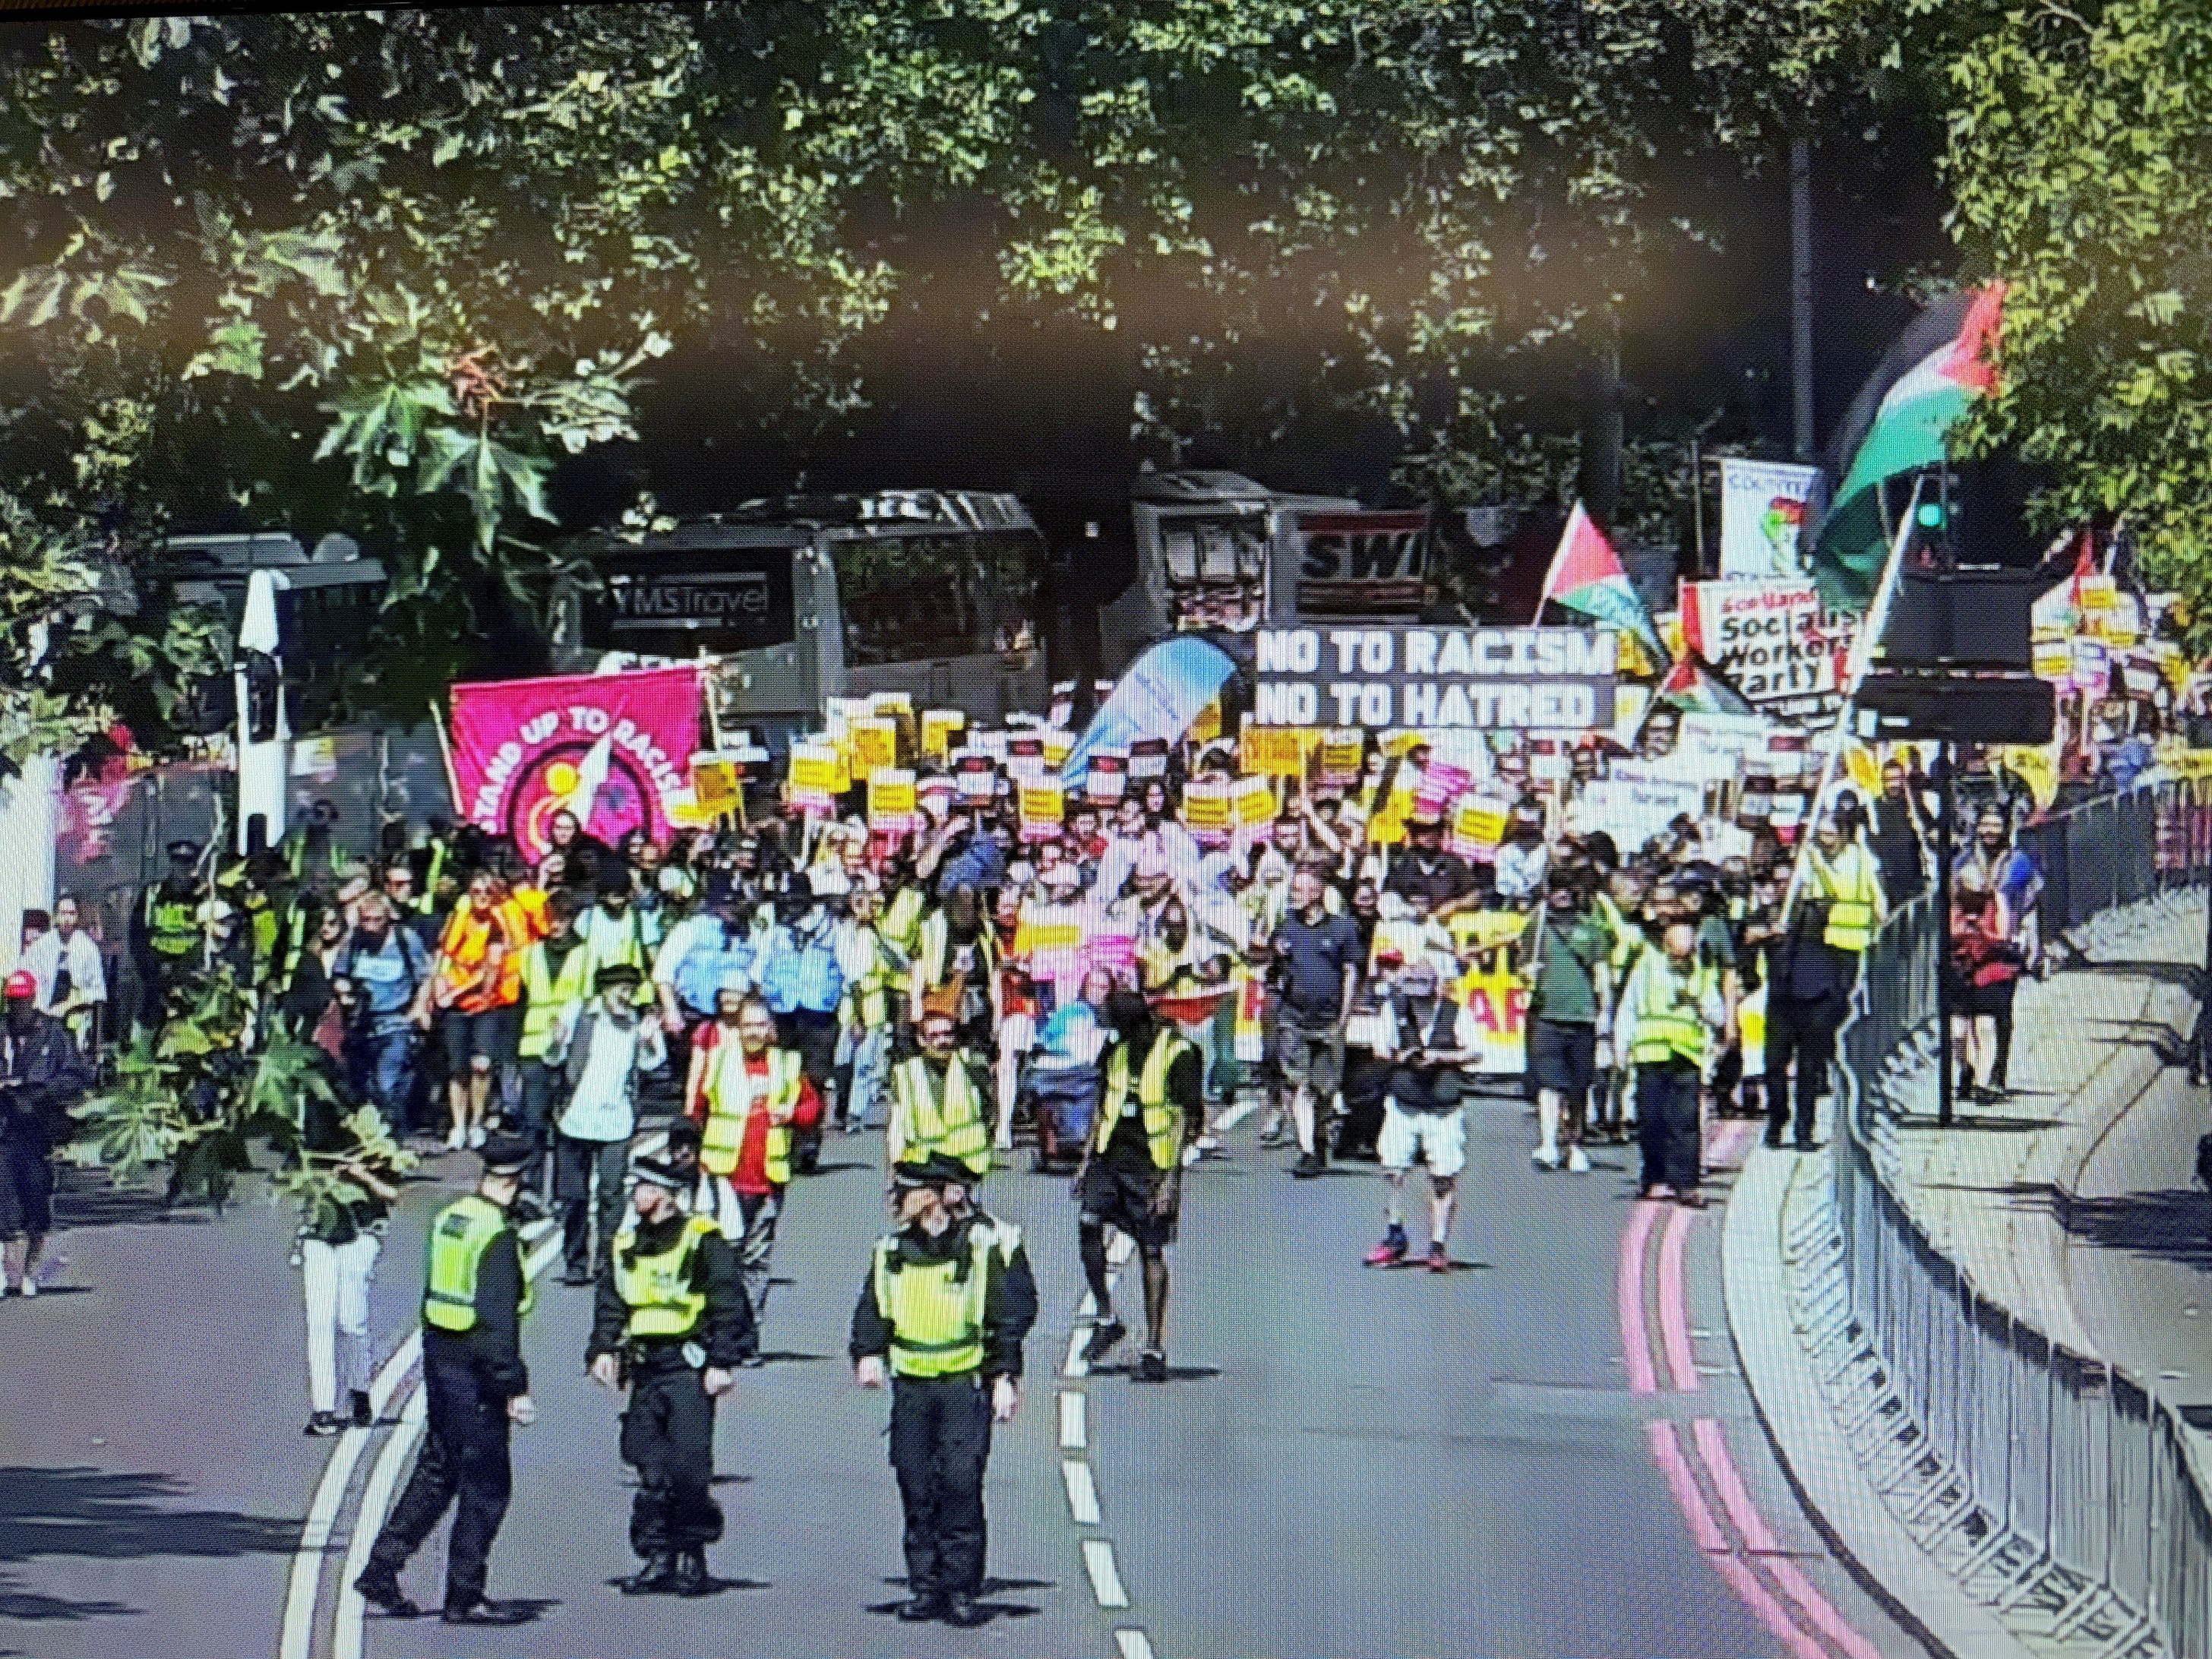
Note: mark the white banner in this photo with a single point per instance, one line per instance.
(1772, 641)
(1764, 507)
(1633, 813)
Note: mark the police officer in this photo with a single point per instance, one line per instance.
(944, 1310)
(165, 930)
(1131, 1175)
(673, 1315)
(475, 1385)
(937, 1101)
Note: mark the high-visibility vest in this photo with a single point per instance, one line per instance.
(935, 1309)
(868, 995)
(1163, 1123)
(936, 949)
(172, 924)
(549, 993)
(1852, 889)
(729, 1094)
(1665, 1030)
(459, 1237)
(658, 1288)
(951, 1124)
(902, 916)
(617, 941)
(295, 854)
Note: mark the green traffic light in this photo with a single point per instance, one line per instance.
(1930, 515)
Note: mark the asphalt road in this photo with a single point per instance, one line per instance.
(1545, 1455)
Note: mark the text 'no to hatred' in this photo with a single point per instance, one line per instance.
(1435, 678)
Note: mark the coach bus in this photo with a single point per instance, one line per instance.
(931, 593)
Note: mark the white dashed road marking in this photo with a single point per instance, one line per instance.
(1077, 1365)
(1071, 1425)
(1105, 1576)
(1132, 1644)
(1082, 1493)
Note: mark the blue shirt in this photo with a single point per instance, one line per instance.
(705, 956)
(799, 972)
(386, 976)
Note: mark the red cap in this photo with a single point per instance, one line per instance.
(20, 984)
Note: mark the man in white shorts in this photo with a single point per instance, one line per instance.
(1428, 1039)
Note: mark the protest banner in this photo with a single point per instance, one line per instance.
(891, 803)
(1025, 756)
(1764, 505)
(1772, 640)
(714, 784)
(1432, 679)
(1478, 827)
(1148, 758)
(1492, 993)
(1043, 809)
(938, 727)
(612, 748)
(875, 744)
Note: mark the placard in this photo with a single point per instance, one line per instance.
(975, 774)
(1632, 812)
(1205, 807)
(1478, 827)
(1275, 751)
(875, 744)
(1764, 505)
(1772, 640)
(938, 727)
(1207, 726)
(1343, 751)
(1148, 758)
(891, 802)
(1108, 778)
(1254, 801)
(1043, 809)
(817, 777)
(714, 784)
(1025, 761)
(1434, 679)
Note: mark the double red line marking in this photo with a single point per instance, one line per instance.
(1744, 1551)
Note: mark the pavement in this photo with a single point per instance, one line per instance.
(2072, 1203)
(1549, 1453)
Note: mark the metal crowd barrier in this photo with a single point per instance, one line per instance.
(2054, 1485)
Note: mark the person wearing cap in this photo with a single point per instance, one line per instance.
(706, 953)
(1152, 1107)
(165, 931)
(1427, 1038)
(608, 1047)
(673, 1322)
(804, 984)
(751, 1100)
(943, 1311)
(42, 1075)
(939, 1099)
(1425, 867)
(475, 1385)
(559, 976)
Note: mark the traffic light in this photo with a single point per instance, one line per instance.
(1933, 516)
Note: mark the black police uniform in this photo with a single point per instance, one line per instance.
(468, 1378)
(940, 1436)
(668, 1428)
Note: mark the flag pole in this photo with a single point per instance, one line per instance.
(446, 753)
(1558, 553)
(1862, 656)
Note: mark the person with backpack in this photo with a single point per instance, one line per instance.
(376, 975)
(804, 984)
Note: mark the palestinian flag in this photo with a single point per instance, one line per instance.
(1587, 576)
(1900, 423)
(1695, 687)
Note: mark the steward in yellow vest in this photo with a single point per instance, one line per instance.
(940, 1103)
(942, 1314)
(1153, 1105)
(1843, 876)
(474, 1385)
(1673, 1000)
(672, 1321)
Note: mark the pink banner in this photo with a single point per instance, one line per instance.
(613, 748)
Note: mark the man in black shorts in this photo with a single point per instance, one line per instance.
(1131, 1176)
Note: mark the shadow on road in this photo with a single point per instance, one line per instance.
(109, 1517)
(2174, 1225)
(29, 1605)
(83, 1200)
(2188, 976)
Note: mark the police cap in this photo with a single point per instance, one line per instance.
(507, 1155)
(617, 974)
(659, 1172)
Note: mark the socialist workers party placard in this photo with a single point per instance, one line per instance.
(614, 749)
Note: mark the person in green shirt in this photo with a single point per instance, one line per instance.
(1567, 951)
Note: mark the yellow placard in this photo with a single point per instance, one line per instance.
(875, 744)
(819, 770)
(2038, 768)
(1386, 827)
(891, 803)
(1343, 749)
(1480, 819)
(2052, 658)
(1043, 804)
(1253, 800)
(714, 786)
(1206, 726)
(1059, 743)
(1206, 804)
(1276, 751)
(937, 728)
(2098, 592)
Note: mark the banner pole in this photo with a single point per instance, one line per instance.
(446, 753)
